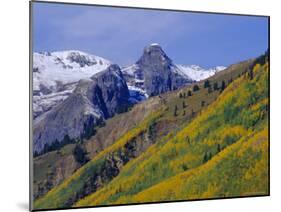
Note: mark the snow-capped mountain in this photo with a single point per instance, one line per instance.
(198, 73)
(92, 101)
(155, 73)
(55, 76)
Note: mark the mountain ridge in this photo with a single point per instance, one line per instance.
(92, 101)
(56, 74)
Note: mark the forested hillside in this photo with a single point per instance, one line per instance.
(206, 140)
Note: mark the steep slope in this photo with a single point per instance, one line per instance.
(92, 101)
(167, 120)
(51, 168)
(221, 153)
(246, 162)
(56, 74)
(100, 170)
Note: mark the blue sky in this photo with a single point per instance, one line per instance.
(121, 34)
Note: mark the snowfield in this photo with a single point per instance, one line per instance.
(198, 73)
(51, 69)
(55, 76)
(137, 94)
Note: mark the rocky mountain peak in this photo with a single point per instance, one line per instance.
(155, 55)
(154, 47)
(157, 71)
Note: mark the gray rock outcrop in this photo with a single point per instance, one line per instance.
(155, 72)
(93, 100)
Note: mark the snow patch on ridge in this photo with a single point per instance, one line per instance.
(154, 44)
(137, 94)
(56, 74)
(198, 73)
(49, 69)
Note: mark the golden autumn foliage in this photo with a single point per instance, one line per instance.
(60, 194)
(232, 132)
(207, 181)
(222, 152)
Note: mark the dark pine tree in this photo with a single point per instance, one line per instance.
(176, 111)
(80, 154)
(183, 105)
(184, 167)
(205, 157)
(207, 84)
(218, 148)
(223, 85)
(216, 87)
(195, 88)
(202, 103)
(251, 74)
(210, 156)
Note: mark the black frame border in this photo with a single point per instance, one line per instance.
(128, 7)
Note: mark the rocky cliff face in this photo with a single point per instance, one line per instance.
(113, 89)
(56, 74)
(92, 101)
(155, 72)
